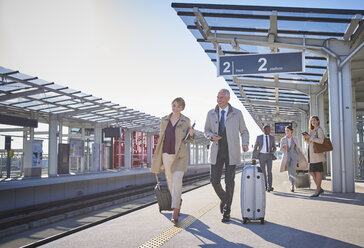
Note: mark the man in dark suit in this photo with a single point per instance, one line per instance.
(264, 149)
(224, 126)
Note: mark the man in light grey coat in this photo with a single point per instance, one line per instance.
(264, 149)
(223, 125)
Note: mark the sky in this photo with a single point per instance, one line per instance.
(136, 53)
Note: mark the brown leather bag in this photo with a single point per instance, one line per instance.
(324, 147)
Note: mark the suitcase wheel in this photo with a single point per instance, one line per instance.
(245, 220)
(262, 221)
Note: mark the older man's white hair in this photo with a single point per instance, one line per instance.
(227, 92)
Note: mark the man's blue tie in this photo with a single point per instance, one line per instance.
(222, 120)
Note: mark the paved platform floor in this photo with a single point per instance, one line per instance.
(292, 220)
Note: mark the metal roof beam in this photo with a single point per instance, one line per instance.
(267, 8)
(276, 81)
(352, 26)
(202, 21)
(247, 101)
(283, 116)
(21, 94)
(313, 45)
(82, 98)
(266, 17)
(299, 107)
(324, 77)
(358, 36)
(77, 112)
(290, 86)
(272, 33)
(199, 25)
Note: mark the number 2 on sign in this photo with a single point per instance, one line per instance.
(227, 67)
(264, 62)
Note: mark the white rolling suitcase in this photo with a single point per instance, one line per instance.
(252, 194)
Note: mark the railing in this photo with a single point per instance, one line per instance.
(17, 164)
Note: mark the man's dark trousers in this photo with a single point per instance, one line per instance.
(216, 172)
(265, 161)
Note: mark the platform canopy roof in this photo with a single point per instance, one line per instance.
(33, 98)
(30, 97)
(237, 29)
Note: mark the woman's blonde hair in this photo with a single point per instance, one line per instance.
(180, 102)
(309, 122)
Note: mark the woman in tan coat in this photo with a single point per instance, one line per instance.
(315, 135)
(291, 156)
(172, 153)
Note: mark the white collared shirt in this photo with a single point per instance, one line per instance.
(226, 111)
(264, 147)
(289, 141)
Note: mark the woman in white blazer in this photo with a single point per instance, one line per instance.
(291, 156)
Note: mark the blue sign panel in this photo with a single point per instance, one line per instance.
(270, 63)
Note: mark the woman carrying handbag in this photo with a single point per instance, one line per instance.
(315, 135)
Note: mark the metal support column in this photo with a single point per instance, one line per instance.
(96, 164)
(149, 149)
(60, 132)
(304, 128)
(361, 147)
(52, 146)
(321, 111)
(196, 153)
(297, 132)
(127, 146)
(313, 105)
(355, 128)
(83, 158)
(348, 126)
(335, 157)
(341, 120)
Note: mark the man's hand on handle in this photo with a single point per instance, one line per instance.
(215, 137)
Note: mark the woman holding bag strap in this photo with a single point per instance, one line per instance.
(172, 153)
(291, 155)
(315, 135)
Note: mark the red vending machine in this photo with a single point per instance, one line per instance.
(119, 151)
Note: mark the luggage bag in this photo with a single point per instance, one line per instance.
(164, 197)
(252, 194)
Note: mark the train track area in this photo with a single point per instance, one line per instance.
(35, 226)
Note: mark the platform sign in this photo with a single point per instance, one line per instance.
(270, 63)
(37, 155)
(77, 148)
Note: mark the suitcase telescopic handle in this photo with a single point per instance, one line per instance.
(156, 177)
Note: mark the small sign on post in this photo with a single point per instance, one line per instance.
(270, 63)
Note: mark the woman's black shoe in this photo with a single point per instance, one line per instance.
(320, 192)
(315, 195)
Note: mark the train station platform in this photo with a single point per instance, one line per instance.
(292, 220)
